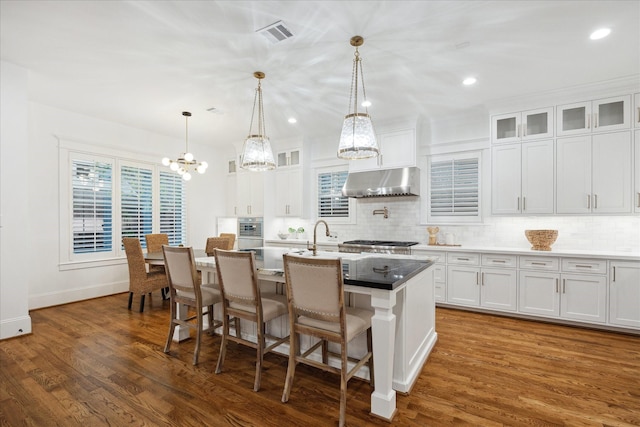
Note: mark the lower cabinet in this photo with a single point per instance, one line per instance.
(624, 299)
(482, 287)
(593, 291)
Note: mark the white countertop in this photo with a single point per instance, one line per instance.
(574, 253)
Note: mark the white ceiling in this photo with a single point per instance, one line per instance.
(142, 63)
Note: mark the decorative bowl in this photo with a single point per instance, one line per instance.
(283, 236)
(541, 240)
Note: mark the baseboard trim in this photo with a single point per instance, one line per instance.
(79, 294)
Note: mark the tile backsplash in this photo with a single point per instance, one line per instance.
(587, 232)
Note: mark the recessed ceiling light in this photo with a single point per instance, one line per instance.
(600, 34)
(469, 81)
(292, 120)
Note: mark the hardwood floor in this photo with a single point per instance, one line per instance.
(95, 363)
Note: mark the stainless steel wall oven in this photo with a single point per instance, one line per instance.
(250, 233)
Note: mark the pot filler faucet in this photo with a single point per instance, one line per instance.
(314, 248)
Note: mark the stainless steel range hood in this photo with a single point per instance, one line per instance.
(383, 183)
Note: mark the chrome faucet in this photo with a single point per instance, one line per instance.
(314, 248)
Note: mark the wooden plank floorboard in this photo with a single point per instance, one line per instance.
(95, 363)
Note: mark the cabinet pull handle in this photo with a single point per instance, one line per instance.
(595, 120)
(462, 259)
(639, 199)
(518, 203)
(482, 279)
(538, 263)
(524, 203)
(477, 278)
(588, 201)
(556, 286)
(583, 266)
(588, 121)
(638, 114)
(614, 273)
(595, 201)
(564, 286)
(518, 131)
(499, 260)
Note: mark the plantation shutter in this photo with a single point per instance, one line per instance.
(454, 188)
(92, 206)
(173, 207)
(331, 202)
(136, 202)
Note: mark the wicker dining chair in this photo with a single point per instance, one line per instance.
(232, 239)
(185, 288)
(242, 299)
(315, 293)
(154, 244)
(217, 243)
(141, 282)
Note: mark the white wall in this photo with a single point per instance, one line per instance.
(14, 205)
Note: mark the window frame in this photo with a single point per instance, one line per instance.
(453, 219)
(68, 152)
(351, 218)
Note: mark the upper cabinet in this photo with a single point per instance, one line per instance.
(397, 150)
(250, 196)
(522, 126)
(289, 158)
(522, 177)
(636, 113)
(594, 116)
(594, 174)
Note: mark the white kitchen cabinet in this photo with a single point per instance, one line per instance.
(636, 172)
(636, 110)
(539, 293)
(231, 195)
(463, 285)
(289, 192)
(287, 158)
(594, 116)
(522, 126)
(250, 193)
(498, 289)
(624, 298)
(583, 297)
(397, 150)
(593, 174)
(522, 178)
(440, 278)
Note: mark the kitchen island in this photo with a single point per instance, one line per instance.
(400, 291)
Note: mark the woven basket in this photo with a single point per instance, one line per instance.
(541, 240)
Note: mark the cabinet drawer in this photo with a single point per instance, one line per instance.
(440, 273)
(463, 258)
(498, 260)
(441, 256)
(540, 263)
(593, 266)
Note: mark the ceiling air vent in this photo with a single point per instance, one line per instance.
(276, 32)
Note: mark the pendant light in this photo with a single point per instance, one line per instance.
(358, 139)
(256, 153)
(185, 161)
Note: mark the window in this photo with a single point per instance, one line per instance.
(172, 207)
(136, 209)
(105, 196)
(454, 190)
(331, 202)
(92, 221)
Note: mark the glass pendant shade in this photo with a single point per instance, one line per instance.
(358, 138)
(257, 155)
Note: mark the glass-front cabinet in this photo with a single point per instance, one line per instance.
(522, 126)
(289, 158)
(594, 116)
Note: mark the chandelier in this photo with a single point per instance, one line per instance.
(256, 153)
(185, 161)
(358, 139)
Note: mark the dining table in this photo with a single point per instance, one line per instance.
(400, 291)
